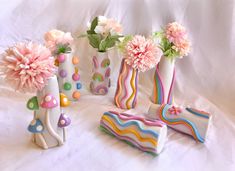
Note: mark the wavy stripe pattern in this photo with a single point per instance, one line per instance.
(180, 121)
(130, 123)
(158, 89)
(133, 129)
(126, 92)
(198, 112)
(128, 140)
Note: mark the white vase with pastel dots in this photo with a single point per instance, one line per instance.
(48, 122)
(100, 81)
(68, 76)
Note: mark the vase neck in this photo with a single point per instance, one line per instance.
(102, 54)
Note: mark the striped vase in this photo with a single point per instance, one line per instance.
(163, 83)
(127, 87)
(100, 82)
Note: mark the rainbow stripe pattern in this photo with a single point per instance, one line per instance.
(198, 112)
(134, 130)
(158, 89)
(127, 87)
(180, 121)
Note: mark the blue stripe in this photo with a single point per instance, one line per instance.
(184, 120)
(196, 113)
(130, 123)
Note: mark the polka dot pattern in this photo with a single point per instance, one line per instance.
(67, 86)
(63, 73)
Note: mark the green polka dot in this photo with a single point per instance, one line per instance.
(31, 105)
(67, 86)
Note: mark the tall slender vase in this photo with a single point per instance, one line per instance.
(68, 76)
(127, 87)
(163, 83)
(100, 82)
(46, 106)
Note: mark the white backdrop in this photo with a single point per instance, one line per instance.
(205, 79)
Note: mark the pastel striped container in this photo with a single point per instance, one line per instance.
(163, 82)
(147, 135)
(187, 120)
(127, 87)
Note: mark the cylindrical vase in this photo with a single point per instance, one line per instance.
(127, 87)
(100, 82)
(163, 82)
(68, 76)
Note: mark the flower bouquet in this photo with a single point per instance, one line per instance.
(29, 67)
(61, 46)
(174, 43)
(139, 55)
(103, 33)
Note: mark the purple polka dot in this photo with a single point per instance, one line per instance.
(63, 73)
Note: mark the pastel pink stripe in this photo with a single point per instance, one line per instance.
(149, 122)
(170, 91)
(125, 88)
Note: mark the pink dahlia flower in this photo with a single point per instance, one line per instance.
(141, 53)
(27, 66)
(177, 35)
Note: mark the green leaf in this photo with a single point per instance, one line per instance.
(110, 42)
(94, 40)
(103, 46)
(91, 32)
(94, 23)
(122, 44)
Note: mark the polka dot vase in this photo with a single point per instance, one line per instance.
(68, 75)
(100, 81)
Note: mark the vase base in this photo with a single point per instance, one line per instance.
(98, 90)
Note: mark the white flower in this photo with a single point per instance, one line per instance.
(106, 26)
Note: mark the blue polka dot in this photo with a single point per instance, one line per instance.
(79, 86)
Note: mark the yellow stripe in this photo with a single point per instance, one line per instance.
(133, 88)
(126, 131)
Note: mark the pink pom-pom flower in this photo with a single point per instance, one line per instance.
(141, 53)
(177, 35)
(173, 41)
(58, 41)
(27, 66)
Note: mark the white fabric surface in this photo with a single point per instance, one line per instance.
(205, 79)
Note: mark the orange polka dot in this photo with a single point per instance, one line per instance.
(75, 60)
(76, 95)
(57, 62)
